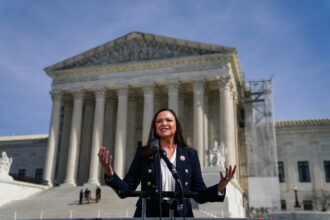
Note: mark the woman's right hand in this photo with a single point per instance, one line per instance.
(105, 163)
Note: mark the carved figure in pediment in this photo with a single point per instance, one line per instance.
(139, 50)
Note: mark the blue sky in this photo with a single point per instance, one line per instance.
(286, 39)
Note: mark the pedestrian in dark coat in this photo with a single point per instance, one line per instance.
(97, 194)
(81, 196)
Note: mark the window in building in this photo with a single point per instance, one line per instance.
(303, 171)
(21, 172)
(38, 174)
(281, 172)
(283, 204)
(327, 170)
(308, 205)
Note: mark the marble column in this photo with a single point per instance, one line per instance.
(121, 130)
(173, 96)
(110, 123)
(85, 146)
(72, 164)
(63, 157)
(181, 107)
(236, 130)
(205, 130)
(131, 143)
(53, 138)
(227, 127)
(97, 136)
(198, 131)
(148, 111)
(316, 168)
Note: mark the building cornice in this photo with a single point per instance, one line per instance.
(24, 137)
(173, 65)
(303, 123)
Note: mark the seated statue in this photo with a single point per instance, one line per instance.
(217, 155)
(5, 164)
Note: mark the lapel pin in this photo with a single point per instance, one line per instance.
(183, 158)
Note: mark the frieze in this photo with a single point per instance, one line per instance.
(188, 67)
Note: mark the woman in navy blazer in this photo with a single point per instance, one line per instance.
(166, 127)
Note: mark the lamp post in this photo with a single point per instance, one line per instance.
(296, 205)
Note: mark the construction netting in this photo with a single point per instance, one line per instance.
(260, 130)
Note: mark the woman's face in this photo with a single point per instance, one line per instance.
(165, 124)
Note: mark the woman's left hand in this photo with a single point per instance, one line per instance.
(225, 180)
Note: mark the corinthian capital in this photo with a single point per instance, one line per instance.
(225, 82)
(100, 93)
(148, 88)
(77, 94)
(122, 90)
(198, 84)
(56, 96)
(173, 86)
(234, 95)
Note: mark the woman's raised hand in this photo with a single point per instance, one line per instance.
(225, 180)
(105, 163)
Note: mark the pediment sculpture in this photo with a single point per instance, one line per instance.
(138, 50)
(135, 47)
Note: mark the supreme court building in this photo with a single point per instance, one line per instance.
(108, 95)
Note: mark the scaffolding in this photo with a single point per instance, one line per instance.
(261, 152)
(260, 130)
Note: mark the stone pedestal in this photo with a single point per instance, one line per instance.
(233, 203)
(258, 198)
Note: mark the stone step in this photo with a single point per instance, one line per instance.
(63, 202)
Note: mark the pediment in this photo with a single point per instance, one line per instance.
(135, 47)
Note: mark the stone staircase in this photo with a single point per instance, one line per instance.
(63, 202)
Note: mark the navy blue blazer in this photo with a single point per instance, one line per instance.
(189, 171)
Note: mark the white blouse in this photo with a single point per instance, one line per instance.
(168, 182)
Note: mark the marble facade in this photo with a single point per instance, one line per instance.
(27, 153)
(304, 141)
(108, 95)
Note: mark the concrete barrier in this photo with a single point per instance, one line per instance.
(300, 215)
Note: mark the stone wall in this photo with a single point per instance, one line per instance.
(308, 141)
(11, 190)
(28, 152)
